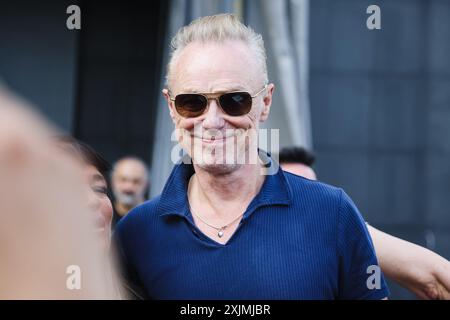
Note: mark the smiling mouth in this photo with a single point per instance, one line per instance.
(214, 140)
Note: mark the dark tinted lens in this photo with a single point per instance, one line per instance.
(190, 105)
(236, 103)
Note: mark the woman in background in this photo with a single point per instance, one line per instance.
(95, 170)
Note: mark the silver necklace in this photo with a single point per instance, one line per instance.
(220, 230)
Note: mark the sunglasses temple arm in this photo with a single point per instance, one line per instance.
(259, 92)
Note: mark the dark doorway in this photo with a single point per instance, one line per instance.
(119, 71)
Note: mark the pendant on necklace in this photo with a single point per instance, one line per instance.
(220, 233)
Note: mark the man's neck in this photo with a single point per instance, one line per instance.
(224, 191)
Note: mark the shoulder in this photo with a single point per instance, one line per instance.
(323, 201)
(313, 191)
(143, 215)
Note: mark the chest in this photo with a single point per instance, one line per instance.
(258, 263)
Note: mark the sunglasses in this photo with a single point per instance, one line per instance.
(191, 105)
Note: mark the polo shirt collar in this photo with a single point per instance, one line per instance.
(174, 201)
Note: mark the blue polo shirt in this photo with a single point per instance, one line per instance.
(298, 239)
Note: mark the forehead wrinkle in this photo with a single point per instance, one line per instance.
(215, 69)
(220, 89)
(189, 83)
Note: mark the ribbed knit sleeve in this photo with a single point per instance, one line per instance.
(356, 254)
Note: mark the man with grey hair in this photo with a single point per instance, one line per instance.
(130, 182)
(226, 226)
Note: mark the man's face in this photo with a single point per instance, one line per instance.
(218, 137)
(129, 182)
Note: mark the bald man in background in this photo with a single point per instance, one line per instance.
(130, 184)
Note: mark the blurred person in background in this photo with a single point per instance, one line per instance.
(418, 269)
(95, 169)
(130, 185)
(299, 161)
(47, 228)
